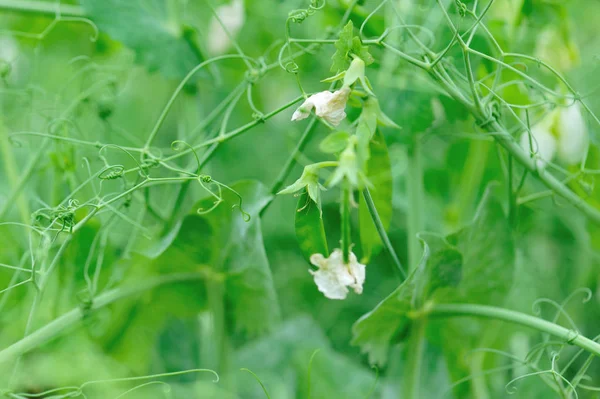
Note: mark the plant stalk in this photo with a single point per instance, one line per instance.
(491, 312)
(68, 320)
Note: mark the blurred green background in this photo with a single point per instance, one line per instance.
(259, 308)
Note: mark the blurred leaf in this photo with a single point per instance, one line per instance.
(310, 230)
(159, 44)
(335, 142)
(488, 253)
(379, 173)
(349, 44)
(238, 253)
(375, 331)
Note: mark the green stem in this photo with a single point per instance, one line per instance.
(416, 347)
(345, 215)
(414, 186)
(381, 230)
(416, 341)
(471, 178)
(492, 312)
(41, 7)
(58, 326)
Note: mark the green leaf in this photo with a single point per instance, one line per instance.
(379, 173)
(158, 44)
(486, 275)
(489, 255)
(334, 143)
(375, 331)
(346, 45)
(310, 231)
(227, 247)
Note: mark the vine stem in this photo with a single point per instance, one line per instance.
(416, 341)
(59, 325)
(523, 319)
(40, 7)
(381, 230)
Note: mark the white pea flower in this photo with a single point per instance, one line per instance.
(543, 144)
(334, 276)
(233, 17)
(329, 106)
(561, 134)
(572, 135)
(10, 60)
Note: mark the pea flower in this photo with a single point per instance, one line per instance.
(334, 276)
(542, 143)
(310, 181)
(562, 134)
(573, 138)
(329, 106)
(232, 17)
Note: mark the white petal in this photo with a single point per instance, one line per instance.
(334, 276)
(329, 106)
(233, 17)
(303, 111)
(318, 260)
(328, 283)
(572, 135)
(358, 272)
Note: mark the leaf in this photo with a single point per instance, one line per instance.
(348, 44)
(488, 251)
(375, 331)
(334, 143)
(486, 277)
(379, 173)
(227, 247)
(310, 231)
(158, 44)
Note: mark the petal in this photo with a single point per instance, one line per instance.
(318, 260)
(573, 136)
(358, 271)
(303, 111)
(543, 144)
(329, 285)
(335, 117)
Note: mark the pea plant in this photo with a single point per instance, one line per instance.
(308, 198)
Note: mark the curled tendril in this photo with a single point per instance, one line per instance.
(291, 67)
(513, 389)
(205, 179)
(112, 172)
(537, 309)
(245, 215)
(142, 169)
(179, 145)
(538, 348)
(462, 8)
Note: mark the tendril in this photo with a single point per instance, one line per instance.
(178, 145)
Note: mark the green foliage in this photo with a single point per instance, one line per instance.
(310, 230)
(450, 271)
(347, 45)
(159, 43)
(129, 260)
(379, 173)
